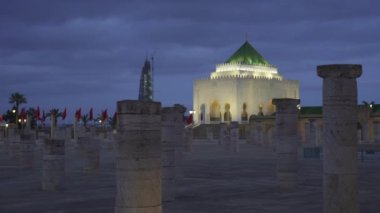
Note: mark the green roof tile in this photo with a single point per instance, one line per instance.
(246, 54)
(311, 110)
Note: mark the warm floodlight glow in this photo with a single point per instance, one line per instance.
(192, 112)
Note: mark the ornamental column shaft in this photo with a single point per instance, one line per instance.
(286, 141)
(138, 161)
(340, 117)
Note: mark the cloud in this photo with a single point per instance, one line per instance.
(92, 52)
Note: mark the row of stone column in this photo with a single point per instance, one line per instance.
(340, 114)
(22, 146)
(229, 136)
(149, 155)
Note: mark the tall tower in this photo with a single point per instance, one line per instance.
(146, 82)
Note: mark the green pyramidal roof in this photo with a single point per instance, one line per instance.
(246, 54)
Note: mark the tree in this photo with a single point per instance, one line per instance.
(371, 105)
(17, 99)
(85, 119)
(31, 112)
(54, 114)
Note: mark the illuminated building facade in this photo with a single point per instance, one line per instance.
(242, 86)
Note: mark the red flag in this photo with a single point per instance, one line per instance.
(78, 114)
(104, 115)
(37, 113)
(64, 113)
(189, 119)
(91, 116)
(1, 118)
(23, 113)
(43, 115)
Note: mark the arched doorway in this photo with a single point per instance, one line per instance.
(244, 114)
(215, 114)
(227, 113)
(202, 114)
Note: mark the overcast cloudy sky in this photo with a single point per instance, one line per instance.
(82, 53)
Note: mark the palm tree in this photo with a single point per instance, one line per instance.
(85, 119)
(54, 114)
(370, 105)
(17, 99)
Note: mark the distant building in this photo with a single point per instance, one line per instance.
(146, 82)
(242, 86)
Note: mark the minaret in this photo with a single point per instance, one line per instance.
(146, 82)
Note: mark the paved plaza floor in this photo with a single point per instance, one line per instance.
(215, 181)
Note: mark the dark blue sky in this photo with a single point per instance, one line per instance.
(90, 53)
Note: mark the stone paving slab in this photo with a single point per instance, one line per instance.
(215, 182)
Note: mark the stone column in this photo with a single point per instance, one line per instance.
(223, 134)
(259, 139)
(91, 152)
(365, 132)
(52, 125)
(313, 133)
(376, 131)
(340, 116)
(138, 161)
(234, 136)
(27, 146)
(286, 141)
(307, 134)
(171, 139)
(53, 165)
(210, 135)
(189, 139)
(179, 131)
(13, 144)
(251, 132)
(75, 130)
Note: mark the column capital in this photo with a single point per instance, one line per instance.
(138, 107)
(180, 108)
(339, 70)
(284, 105)
(287, 101)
